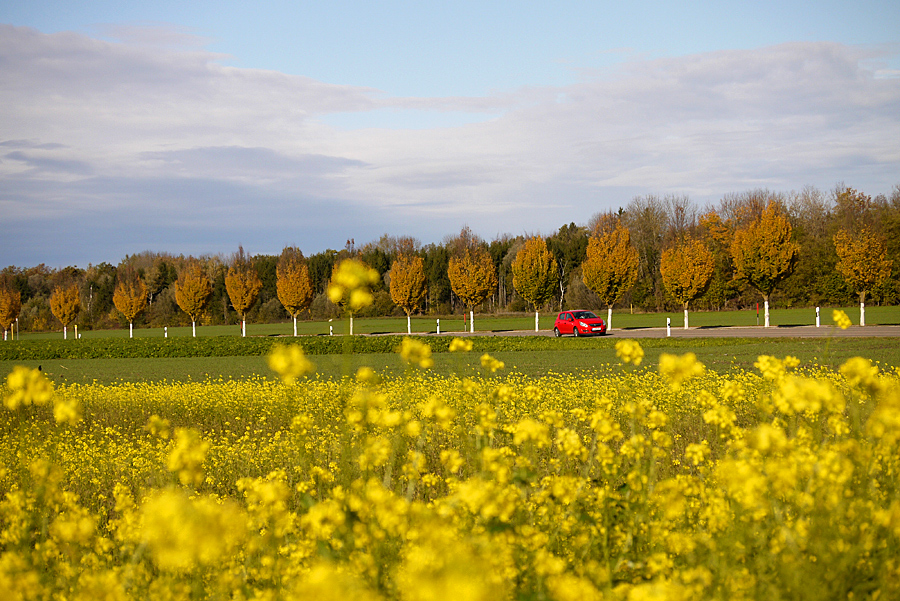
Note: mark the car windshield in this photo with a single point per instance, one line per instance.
(584, 315)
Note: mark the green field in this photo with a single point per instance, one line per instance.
(720, 354)
(493, 323)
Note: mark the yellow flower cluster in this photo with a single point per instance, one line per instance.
(350, 284)
(669, 483)
(840, 319)
(416, 353)
(629, 351)
(289, 362)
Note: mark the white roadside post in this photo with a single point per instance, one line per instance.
(438, 326)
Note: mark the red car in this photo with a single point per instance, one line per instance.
(579, 323)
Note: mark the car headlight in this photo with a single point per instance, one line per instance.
(583, 325)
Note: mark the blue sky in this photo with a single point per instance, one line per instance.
(194, 127)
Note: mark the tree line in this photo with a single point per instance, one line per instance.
(657, 253)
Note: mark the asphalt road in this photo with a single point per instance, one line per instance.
(721, 332)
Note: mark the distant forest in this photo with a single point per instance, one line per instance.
(654, 223)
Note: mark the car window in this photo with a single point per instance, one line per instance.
(584, 315)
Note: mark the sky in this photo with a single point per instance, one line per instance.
(195, 127)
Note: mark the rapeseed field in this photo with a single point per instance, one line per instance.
(636, 483)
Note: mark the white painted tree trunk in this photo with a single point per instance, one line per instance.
(685, 319)
(243, 328)
(194, 327)
(295, 325)
(131, 329)
(65, 333)
(608, 318)
(472, 322)
(536, 326)
(862, 313)
(766, 305)
(351, 325)
(408, 324)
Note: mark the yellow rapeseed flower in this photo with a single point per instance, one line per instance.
(488, 362)
(629, 351)
(679, 369)
(460, 345)
(840, 319)
(27, 386)
(289, 362)
(416, 353)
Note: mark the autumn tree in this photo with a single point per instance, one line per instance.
(192, 291)
(242, 284)
(862, 262)
(764, 252)
(473, 278)
(408, 284)
(130, 297)
(535, 274)
(687, 269)
(10, 305)
(611, 266)
(64, 304)
(295, 286)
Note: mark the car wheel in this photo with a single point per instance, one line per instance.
(575, 332)
(556, 332)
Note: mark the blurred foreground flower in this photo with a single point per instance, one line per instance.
(679, 369)
(416, 353)
(629, 351)
(27, 386)
(488, 362)
(350, 284)
(289, 362)
(460, 345)
(841, 320)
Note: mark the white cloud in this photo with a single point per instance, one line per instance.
(157, 127)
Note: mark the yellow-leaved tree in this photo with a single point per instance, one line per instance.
(611, 266)
(764, 252)
(408, 284)
(242, 284)
(294, 285)
(130, 297)
(10, 305)
(65, 304)
(473, 278)
(862, 262)
(535, 274)
(192, 291)
(686, 271)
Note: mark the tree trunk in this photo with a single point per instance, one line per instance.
(536, 324)
(766, 305)
(472, 321)
(295, 325)
(194, 327)
(685, 318)
(351, 325)
(243, 328)
(608, 317)
(862, 308)
(408, 324)
(65, 333)
(131, 329)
